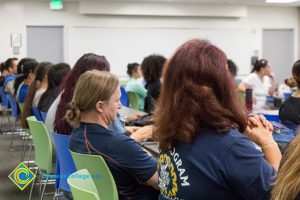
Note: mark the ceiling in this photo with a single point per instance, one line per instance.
(239, 2)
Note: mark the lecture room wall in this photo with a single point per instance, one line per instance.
(16, 15)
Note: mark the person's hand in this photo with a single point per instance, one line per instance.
(131, 129)
(143, 133)
(272, 76)
(259, 133)
(253, 119)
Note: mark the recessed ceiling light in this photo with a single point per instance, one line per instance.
(281, 1)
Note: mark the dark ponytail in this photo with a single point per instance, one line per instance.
(259, 64)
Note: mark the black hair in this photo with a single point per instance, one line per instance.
(56, 74)
(9, 62)
(2, 67)
(132, 67)
(55, 77)
(152, 67)
(259, 64)
(24, 68)
(232, 67)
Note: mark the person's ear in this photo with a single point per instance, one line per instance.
(100, 106)
(31, 75)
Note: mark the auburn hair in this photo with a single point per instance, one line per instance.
(197, 90)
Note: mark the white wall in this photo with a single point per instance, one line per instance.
(15, 15)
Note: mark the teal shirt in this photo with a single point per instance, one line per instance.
(134, 85)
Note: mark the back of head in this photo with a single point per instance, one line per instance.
(56, 74)
(259, 64)
(27, 67)
(132, 67)
(87, 62)
(296, 73)
(42, 70)
(20, 64)
(198, 86)
(152, 67)
(2, 67)
(92, 86)
(232, 67)
(9, 62)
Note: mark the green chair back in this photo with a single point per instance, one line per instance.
(133, 100)
(100, 172)
(83, 188)
(42, 144)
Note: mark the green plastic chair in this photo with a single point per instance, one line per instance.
(83, 188)
(42, 149)
(100, 172)
(133, 100)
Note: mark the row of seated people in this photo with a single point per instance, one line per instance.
(204, 136)
(199, 134)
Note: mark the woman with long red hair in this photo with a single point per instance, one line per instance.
(206, 145)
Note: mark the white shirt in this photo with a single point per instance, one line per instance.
(260, 87)
(37, 96)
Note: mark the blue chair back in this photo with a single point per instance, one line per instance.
(66, 164)
(36, 113)
(4, 98)
(43, 115)
(272, 117)
(14, 105)
(124, 97)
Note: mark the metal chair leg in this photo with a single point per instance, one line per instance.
(42, 196)
(31, 189)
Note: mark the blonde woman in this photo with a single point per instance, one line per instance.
(94, 105)
(287, 185)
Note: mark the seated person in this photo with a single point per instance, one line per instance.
(133, 85)
(11, 66)
(55, 76)
(24, 80)
(95, 102)
(152, 67)
(4, 73)
(289, 112)
(261, 80)
(287, 184)
(36, 89)
(207, 149)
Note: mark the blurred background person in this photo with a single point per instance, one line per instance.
(261, 80)
(55, 76)
(289, 112)
(134, 84)
(152, 67)
(11, 66)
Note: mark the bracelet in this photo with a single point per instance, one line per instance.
(267, 143)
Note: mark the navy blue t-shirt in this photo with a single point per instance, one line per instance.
(126, 152)
(215, 166)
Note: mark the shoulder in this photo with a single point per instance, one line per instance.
(226, 138)
(251, 77)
